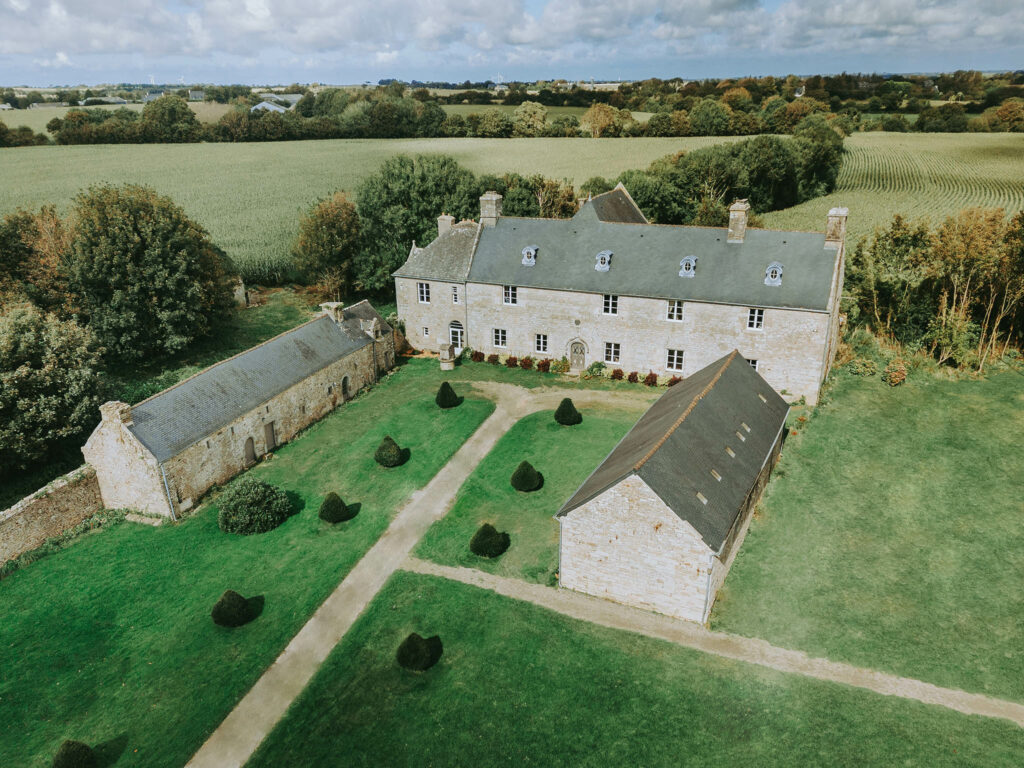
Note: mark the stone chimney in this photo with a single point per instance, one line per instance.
(738, 221)
(334, 310)
(490, 208)
(835, 227)
(444, 223)
(116, 412)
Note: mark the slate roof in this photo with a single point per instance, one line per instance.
(614, 205)
(447, 258)
(184, 414)
(646, 261)
(683, 437)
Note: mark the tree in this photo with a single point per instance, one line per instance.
(33, 256)
(773, 179)
(49, 385)
(709, 118)
(601, 120)
(328, 239)
(557, 199)
(169, 119)
(819, 151)
(150, 280)
(489, 542)
(419, 653)
(334, 510)
(252, 506)
(566, 413)
(530, 119)
(233, 610)
(656, 197)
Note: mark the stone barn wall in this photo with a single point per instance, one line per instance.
(48, 512)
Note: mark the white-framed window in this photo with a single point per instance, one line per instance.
(611, 351)
(455, 294)
(753, 364)
(540, 343)
(500, 336)
(773, 275)
(611, 304)
(426, 331)
(755, 319)
(675, 360)
(675, 310)
(423, 290)
(510, 294)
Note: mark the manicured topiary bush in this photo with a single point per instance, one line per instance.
(492, 359)
(252, 506)
(388, 454)
(511, 361)
(233, 610)
(895, 372)
(544, 365)
(617, 374)
(419, 653)
(477, 357)
(75, 754)
(489, 542)
(446, 397)
(526, 478)
(334, 510)
(526, 363)
(566, 413)
(651, 379)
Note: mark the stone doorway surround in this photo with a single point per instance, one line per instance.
(577, 355)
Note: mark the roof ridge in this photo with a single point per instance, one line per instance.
(689, 409)
(229, 359)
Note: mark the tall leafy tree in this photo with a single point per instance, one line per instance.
(169, 119)
(328, 239)
(149, 279)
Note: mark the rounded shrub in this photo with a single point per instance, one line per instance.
(492, 359)
(252, 506)
(617, 374)
(651, 379)
(477, 357)
(526, 478)
(388, 454)
(511, 361)
(895, 372)
(526, 363)
(334, 510)
(75, 754)
(862, 366)
(566, 413)
(419, 653)
(446, 397)
(489, 542)
(673, 381)
(633, 377)
(544, 365)
(232, 610)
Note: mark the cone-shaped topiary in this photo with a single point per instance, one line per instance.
(232, 610)
(252, 506)
(419, 653)
(389, 454)
(525, 478)
(334, 510)
(75, 754)
(446, 397)
(489, 542)
(566, 413)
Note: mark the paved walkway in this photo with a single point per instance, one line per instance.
(252, 719)
(753, 651)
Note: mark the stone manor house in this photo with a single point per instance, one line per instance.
(609, 286)
(659, 522)
(161, 455)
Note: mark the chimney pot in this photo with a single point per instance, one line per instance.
(490, 208)
(738, 221)
(444, 223)
(334, 310)
(835, 227)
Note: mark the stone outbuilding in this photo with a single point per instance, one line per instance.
(161, 455)
(659, 522)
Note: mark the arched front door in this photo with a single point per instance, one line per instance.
(250, 452)
(456, 335)
(344, 388)
(577, 356)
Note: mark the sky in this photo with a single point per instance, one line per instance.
(70, 42)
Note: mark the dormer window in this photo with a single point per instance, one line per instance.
(530, 255)
(688, 266)
(603, 261)
(773, 275)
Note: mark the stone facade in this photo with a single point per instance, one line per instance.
(428, 325)
(131, 477)
(49, 512)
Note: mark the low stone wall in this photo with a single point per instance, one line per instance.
(49, 512)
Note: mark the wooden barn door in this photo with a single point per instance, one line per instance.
(271, 438)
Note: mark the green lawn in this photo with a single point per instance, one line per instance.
(891, 535)
(565, 456)
(519, 685)
(111, 639)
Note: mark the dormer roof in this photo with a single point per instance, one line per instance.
(447, 258)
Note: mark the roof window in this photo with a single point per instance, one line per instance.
(773, 275)
(603, 261)
(688, 266)
(530, 255)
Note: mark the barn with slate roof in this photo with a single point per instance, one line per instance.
(607, 286)
(658, 523)
(162, 454)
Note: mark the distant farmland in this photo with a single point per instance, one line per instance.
(249, 195)
(36, 119)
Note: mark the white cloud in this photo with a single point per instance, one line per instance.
(60, 59)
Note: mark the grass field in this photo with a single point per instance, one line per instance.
(111, 640)
(565, 456)
(250, 195)
(891, 535)
(36, 119)
(521, 686)
(553, 112)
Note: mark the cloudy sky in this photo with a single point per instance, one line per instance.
(44, 42)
